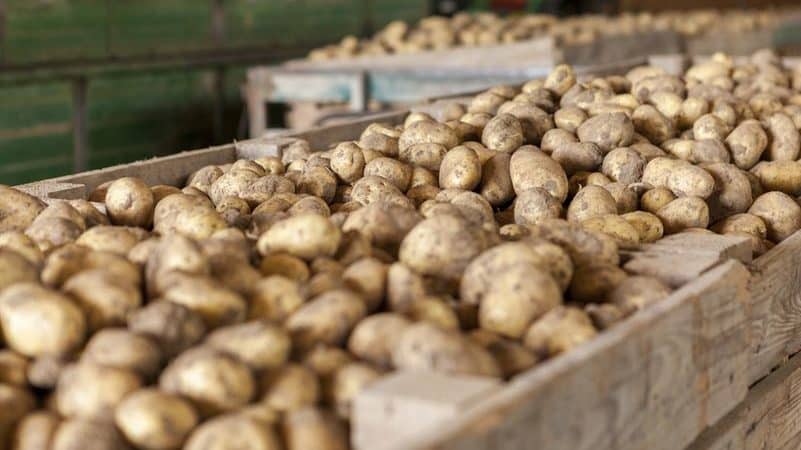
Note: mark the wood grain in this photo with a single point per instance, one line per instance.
(775, 306)
(768, 418)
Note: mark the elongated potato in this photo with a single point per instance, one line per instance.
(152, 419)
(780, 212)
(306, 236)
(530, 168)
(683, 213)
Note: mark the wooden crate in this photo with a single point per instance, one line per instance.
(678, 370)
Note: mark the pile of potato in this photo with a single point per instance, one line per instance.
(470, 30)
(247, 308)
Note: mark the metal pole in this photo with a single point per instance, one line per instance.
(80, 128)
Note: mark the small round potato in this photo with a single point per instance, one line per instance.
(608, 131)
(530, 168)
(653, 200)
(214, 381)
(306, 236)
(626, 235)
(460, 169)
(37, 321)
(130, 202)
(558, 331)
(347, 161)
(569, 118)
(123, 349)
(373, 337)
(424, 346)
(591, 201)
(326, 319)
(623, 165)
(233, 431)
(594, 282)
(683, 213)
(274, 298)
(188, 215)
(427, 132)
(648, 226)
(93, 391)
(503, 133)
(780, 212)
(174, 327)
(155, 420)
(534, 205)
(290, 388)
(710, 126)
(747, 142)
(578, 157)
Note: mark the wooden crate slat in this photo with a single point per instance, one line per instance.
(768, 418)
(776, 306)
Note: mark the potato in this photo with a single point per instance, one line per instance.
(306, 236)
(496, 182)
(594, 282)
(285, 265)
(785, 140)
(404, 286)
(486, 102)
(347, 161)
(650, 122)
(460, 169)
(686, 180)
(152, 419)
(780, 212)
(216, 304)
(290, 388)
(105, 299)
(233, 431)
(50, 233)
(427, 132)
(511, 356)
(435, 310)
(35, 431)
(426, 347)
(37, 321)
(17, 209)
(297, 150)
(272, 165)
(623, 165)
(560, 79)
(534, 205)
(72, 435)
(13, 368)
(187, 215)
(558, 331)
(569, 118)
(90, 390)
(264, 188)
(346, 383)
(174, 327)
(626, 235)
(441, 246)
(626, 197)
(246, 164)
(113, 239)
(654, 199)
(203, 178)
(258, 344)
(503, 133)
(648, 226)
(24, 246)
(130, 202)
(327, 318)
(747, 142)
(367, 276)
(691, 109)
(584, 246)
(637, 292)
(781, 175)
(739, 224)
(274, 298)
(380, 138)
(394, 171)
(608, 131)
(312, 428)
(534, 121)
(683, 213)
(371, 189)
(383, 224)
(578, 157)
(732, 190)
(62, 209)
(373, 337)
(213, 381)
(324, 360)
(530, 168)
(710, 126)
(15, 268)
(591, 201)
(123, 349)
(556, 138)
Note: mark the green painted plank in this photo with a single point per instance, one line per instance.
(291, 23)
(145, 27)
(34, 105)
(37, 31)
(35, 158)
(385, 11)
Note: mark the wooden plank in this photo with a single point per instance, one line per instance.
(768, 418)
(653, 382)
(775, 306)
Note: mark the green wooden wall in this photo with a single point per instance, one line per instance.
(150, 67)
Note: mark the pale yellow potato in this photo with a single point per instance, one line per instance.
(683, 213)
(152, 419)
(637, 292)
(290, 388)
(781, 175)
(306, 236)
(503, 133)
(372, 338)
(17, 209)
(460, 169)
(780, 212)
(560, 330)
(326, 319)
(530, 168)
(123, 349)
(346, 383)
(591, 201)
(172, 326)
(648, 226)
(88, 390)
(626, 235)
(259, 344)
(233, 431)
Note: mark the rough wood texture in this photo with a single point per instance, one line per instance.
(775, 306)
(653, 382)
(402, 400)
(767, 419)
